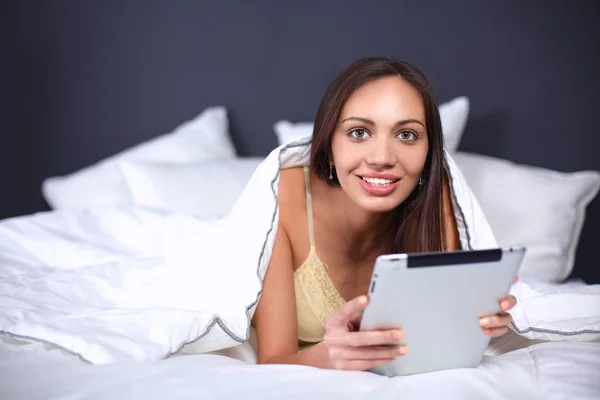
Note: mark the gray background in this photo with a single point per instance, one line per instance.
(82, 80)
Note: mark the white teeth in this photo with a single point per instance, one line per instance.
(378, 181)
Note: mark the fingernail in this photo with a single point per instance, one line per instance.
(403, 350)
(397, 335)
(363, 300)
(484, 322)
(504, 305)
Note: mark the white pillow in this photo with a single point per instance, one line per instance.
(206, 190)
(454, 115)
(535, 207)
(203, 138)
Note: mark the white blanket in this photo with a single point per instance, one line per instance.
(542, 371)
(128, 284)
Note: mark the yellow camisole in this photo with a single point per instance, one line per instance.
(316, 296)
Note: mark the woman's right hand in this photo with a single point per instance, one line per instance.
(351, 349)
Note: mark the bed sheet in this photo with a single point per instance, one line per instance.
(553, 370)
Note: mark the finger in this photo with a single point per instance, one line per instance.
(356, 318)
(362, 338)
(367, 352)
(516, 279)
(495, 332)
(360, 365)
(508, 302)
(344, 314)
(495, 321)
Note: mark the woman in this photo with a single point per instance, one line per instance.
(376, 185)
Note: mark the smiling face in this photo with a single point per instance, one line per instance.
(380, 145)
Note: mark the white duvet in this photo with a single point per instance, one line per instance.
(543, 371)
(130, 284)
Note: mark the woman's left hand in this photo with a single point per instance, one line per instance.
(497, 325)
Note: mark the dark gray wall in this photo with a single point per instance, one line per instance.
(84, 79)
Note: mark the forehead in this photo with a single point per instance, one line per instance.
(389, 97)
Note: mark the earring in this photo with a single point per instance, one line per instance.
(330, 171)
(420, 181)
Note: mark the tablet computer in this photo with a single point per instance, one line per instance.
(437, 299)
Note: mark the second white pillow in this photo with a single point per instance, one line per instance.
(207, 190)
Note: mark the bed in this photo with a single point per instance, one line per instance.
(130, 296)
(80, 345)
(541, 371)
(115, 210)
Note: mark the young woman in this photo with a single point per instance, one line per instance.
(376, 184)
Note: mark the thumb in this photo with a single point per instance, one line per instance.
(347, 312)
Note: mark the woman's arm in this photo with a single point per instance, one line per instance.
(275, 316)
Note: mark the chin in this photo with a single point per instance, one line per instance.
(379, 205)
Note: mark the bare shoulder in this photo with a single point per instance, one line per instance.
(291, 194)
(291, 181)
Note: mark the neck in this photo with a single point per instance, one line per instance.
(361, 233)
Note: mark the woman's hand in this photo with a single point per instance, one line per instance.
(350, 349)
(497, 325)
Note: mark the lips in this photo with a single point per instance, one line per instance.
(382, 185)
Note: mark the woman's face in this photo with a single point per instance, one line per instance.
(380, 144)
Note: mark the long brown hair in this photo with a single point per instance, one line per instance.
(419, 220)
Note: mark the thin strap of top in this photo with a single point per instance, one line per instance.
(309, 211)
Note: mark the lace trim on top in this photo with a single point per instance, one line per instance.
(316, 298)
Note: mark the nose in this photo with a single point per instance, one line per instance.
(381, 152)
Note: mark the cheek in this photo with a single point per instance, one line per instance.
(344, 157)
(337, 150)
(345, 164)
(413, 161)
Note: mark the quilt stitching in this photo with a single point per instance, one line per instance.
(455, 200)
(217, 320)
(541, 330)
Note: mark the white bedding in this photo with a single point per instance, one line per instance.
(127, 286)
(541, 371)
(131, 284)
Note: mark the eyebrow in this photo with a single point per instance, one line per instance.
(399, 123)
